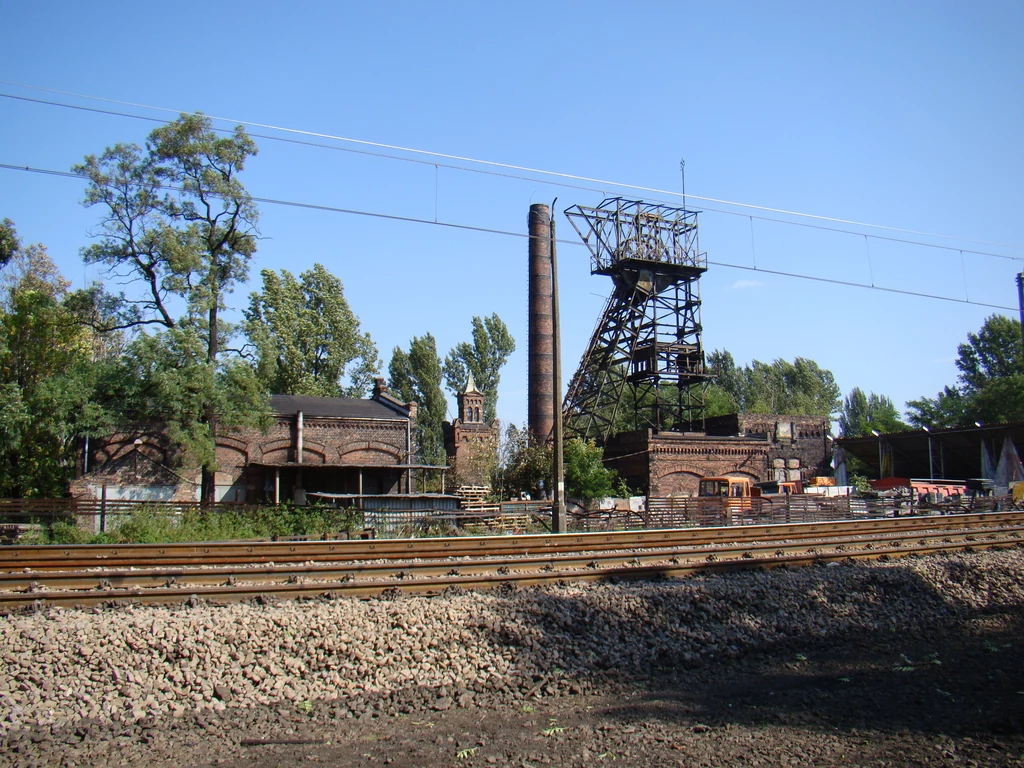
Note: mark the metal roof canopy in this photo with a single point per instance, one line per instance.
(955, 452)
(335, 407)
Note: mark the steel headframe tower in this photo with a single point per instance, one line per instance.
(644, 367)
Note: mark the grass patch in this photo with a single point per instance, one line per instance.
(146, 526)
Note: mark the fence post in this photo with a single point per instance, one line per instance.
(103, 509)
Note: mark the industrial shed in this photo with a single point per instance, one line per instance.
(957, 453)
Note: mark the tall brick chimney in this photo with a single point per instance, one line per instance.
(541, 417)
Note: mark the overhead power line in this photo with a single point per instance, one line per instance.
(515, 167)
(563, 184)
(524, 235)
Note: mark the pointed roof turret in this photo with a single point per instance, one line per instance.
(471, 386)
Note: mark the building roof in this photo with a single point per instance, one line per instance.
(338, 407)
(471, 386)
(953, 453)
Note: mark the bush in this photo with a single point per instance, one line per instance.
(148, 526)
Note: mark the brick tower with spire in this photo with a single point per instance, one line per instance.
(470, 442)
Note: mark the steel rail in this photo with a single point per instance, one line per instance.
(267, 574)
(64, 557)
(179, 578)
(426, 578)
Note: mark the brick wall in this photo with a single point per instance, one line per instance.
(339, 454)
(761, 447)
(672, 463)
(472, 450)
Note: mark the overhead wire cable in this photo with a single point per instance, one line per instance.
(603, 192)
(509, 233)
(509, 166)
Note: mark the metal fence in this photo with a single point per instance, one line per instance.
(800, 508)
(418, 516)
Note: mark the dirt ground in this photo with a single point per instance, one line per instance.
(950, 698)
(954, 700)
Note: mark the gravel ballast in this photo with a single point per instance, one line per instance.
(146, 680)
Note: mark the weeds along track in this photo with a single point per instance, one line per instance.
(232, 571)
(65, 557)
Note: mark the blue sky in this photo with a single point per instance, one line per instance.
(907, 115)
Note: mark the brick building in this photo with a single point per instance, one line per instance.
(335, 445)
(761, 447)
(470, 443)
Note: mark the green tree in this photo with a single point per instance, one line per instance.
(586, 476)
(523, 465)
(946, 409)
(164, 378)
(991, 354)
(801, 387)
(48, 379)
(415, 376)
(484, 358)
(728, 381)
(862, 413)
(178, 222)
(991, 381)
(9, 244)
(718, 402)
(307, 338)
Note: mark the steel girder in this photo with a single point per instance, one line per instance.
(644, 366)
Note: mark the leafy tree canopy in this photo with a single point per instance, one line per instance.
(415, 376)
(586, 476)
(991, 381)
(164, 378)
(49, 370)
(176, 221)
(800, 387)
(863, 413)
(484, 358)
(9, 242)
(307, 338)
(522, 464)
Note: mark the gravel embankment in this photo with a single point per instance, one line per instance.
(129, 667)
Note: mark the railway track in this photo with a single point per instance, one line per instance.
(65, 557)
(235, 571)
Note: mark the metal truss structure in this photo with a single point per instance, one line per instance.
(644, 366)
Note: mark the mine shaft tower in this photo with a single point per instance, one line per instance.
(644, 367)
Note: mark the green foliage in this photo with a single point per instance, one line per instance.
(718, 402)
(178, 223)
(306, 336)
(415, 376)
(58, 532)
(992, 354)
(165, 378)
(48, 380)
(484, 358)
(147, 526)
(800, 387)
(9, 242)
(863, 413)
(586, 476)
(947, 409)
(522, 464)
(991, 388)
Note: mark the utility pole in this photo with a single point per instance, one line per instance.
(558, 521)
(1020, 304)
